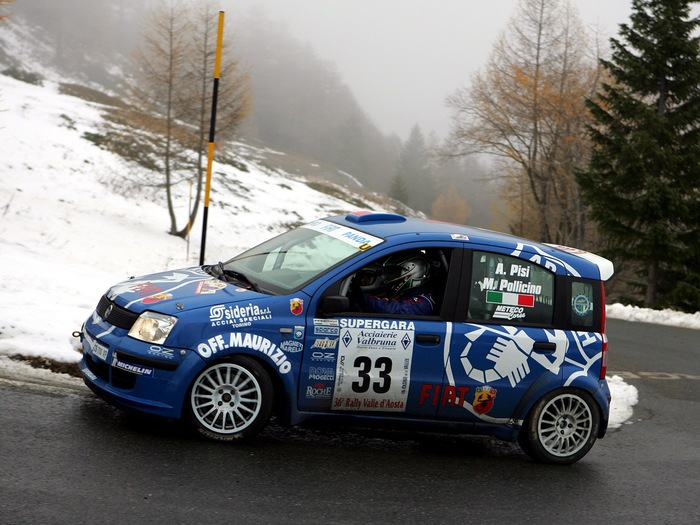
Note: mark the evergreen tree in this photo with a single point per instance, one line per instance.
(398, 189)
(413, 168)
(643, 181)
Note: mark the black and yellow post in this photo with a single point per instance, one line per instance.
(212, 129)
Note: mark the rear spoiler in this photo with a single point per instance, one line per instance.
(605, 267)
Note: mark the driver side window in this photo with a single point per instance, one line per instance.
(408, 283)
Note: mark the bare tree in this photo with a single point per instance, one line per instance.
(175, 66)
(3, 3)
(161, 59)
(527, 107)
(233, 99)
(451, 207)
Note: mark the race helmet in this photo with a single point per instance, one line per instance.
(398, 274)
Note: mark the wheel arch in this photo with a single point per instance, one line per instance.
(282, 404)
(537, 451)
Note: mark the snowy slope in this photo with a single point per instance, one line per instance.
(65, 236)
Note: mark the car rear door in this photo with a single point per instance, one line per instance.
(503, 341)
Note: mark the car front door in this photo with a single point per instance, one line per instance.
(379, 363)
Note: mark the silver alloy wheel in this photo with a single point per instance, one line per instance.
(565, 425)
(226, 398)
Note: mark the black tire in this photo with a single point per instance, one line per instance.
(561, 428)
(231, 400)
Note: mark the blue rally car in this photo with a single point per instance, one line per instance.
(367, 318)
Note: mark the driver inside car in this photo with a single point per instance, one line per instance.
(395, 286)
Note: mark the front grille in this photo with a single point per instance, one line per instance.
(123, 379)
(120, 378)
(98, 367)
(116, 315)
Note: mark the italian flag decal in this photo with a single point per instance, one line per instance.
(510, 299)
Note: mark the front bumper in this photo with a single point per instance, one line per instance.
(125, 372)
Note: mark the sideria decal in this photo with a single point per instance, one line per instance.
(239, 315)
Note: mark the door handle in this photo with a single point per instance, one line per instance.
(544, 347)
(428, 338)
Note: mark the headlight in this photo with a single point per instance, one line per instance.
(152, 327)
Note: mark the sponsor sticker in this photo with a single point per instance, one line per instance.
(325, 344)
(238, 315)
(209, 286)
(159, 351)
(326, 327)
(443, 395)
(258, 343)
(85, 370)
(361, 241)
(324, 357)
(152, 299)
(291, 347)
(374, 365)
(134, 369)
(581, 305)
(483, 399)
(318, 391)
(296, 306)
(146, 289)
(509, 313)
(321, 373)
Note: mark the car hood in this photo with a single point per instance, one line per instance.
(176, 291)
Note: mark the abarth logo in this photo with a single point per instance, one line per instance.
(483, 399)
(296, 306)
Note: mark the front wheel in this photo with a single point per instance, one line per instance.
(231, 400)
(561, 428)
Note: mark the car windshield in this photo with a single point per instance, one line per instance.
(289, 261)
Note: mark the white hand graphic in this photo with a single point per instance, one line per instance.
(509, 360)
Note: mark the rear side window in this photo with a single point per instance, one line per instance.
(583, 305)
(509, 290)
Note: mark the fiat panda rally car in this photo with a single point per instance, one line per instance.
(515, 346)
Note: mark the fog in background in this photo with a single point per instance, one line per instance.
(342, 82)
(401, 58)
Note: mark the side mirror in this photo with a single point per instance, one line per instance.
(334, 304)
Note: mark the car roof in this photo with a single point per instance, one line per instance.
(398, 229)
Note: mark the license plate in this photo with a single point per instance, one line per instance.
(98, 349)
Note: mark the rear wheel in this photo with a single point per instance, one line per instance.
(231, 400)
(561, 428)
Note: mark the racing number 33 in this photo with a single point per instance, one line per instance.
(364, 365)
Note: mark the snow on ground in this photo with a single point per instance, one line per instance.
(65, 236)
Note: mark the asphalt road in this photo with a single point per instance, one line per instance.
(67, 457)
